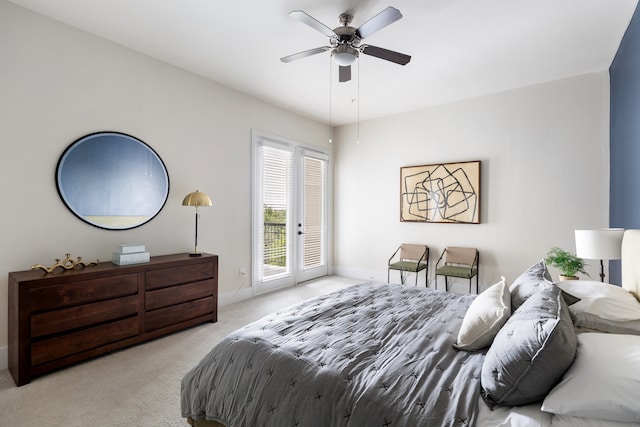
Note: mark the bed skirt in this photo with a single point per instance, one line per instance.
(203, 423)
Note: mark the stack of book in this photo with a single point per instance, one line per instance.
(130, 254)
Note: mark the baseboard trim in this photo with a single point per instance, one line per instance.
(376, 276)
(4, 358)
(358, 273)
(236, 296)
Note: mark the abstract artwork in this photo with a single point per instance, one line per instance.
(443, 192)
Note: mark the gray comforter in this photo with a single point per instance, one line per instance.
(368, 355)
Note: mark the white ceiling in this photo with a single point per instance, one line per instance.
(459, 48)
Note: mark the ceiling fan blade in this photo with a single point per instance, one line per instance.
(344, 73)
(304, 54)
(388, 55)
(312, 22)
(381, 20)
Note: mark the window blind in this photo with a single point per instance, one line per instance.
(314, 199)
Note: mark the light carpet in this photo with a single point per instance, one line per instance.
(138, 386)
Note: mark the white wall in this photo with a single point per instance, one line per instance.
(58, 83)
(544, 151)
(545, 172)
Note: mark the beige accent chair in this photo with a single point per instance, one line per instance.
(412, 259)
(460, 263)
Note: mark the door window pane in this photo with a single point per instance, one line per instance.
(276, 181)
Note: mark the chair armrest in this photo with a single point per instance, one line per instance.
(394, 254)
(440, 259)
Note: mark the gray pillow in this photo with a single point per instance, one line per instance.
(529, 282)
(531, 352)
(533, 279)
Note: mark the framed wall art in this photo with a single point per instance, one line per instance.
(442, 193)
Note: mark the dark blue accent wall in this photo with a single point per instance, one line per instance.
(624, 191)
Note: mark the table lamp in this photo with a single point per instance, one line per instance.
(604, 243)
(196, 199)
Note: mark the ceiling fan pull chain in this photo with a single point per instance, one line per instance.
(358, 140)
(330, 103)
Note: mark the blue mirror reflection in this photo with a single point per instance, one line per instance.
(112, 180)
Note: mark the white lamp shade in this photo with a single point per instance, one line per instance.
(604, 243)
(344, 59)
(344, 55)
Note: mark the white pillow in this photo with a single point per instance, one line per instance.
(592, 323)
(484, 318)
(512, 416)
(603, 381)
(567, 421)
(602, 299)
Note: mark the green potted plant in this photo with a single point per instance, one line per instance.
(568, 263)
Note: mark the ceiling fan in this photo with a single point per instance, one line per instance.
(345, 40)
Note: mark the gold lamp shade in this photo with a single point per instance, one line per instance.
(196, 199)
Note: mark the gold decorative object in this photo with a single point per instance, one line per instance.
(66, 264)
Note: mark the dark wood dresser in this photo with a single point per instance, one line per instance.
(67, 316)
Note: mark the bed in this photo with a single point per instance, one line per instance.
(526, 353)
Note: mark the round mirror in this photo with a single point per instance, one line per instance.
(112, 180)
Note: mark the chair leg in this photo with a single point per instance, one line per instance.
(446, 284)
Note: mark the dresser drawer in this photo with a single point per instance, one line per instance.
(81, 292)
(177, 294)
(165, 277)
(59, 318)
(77, 317)
(55, 348)
(175, 314)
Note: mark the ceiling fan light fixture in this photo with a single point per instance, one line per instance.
(344, 55)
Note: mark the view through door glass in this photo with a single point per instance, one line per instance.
(276, 213)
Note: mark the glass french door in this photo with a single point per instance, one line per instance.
(290, 214)
(312, 216)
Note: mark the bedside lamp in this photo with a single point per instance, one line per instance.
(196, 199)
(605, 243)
